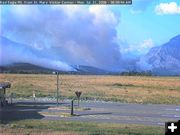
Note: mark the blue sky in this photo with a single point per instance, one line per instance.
(141, 22)
(94, 35)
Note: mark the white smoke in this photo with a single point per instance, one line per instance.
(12, 52)
(65, 35)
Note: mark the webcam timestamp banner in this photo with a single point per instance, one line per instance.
(65, 2)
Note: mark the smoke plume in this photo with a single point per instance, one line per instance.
(61, 36)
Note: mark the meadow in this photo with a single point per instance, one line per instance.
(129, 89)
(41, 127)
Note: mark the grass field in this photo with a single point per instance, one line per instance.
(38, 127)
(130, 89)
(161, 90)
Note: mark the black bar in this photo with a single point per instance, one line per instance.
(65, 2)
(57, 88)
(72, 107)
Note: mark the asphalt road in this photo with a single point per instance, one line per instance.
(95, 111)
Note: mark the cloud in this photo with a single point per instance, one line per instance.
(167, 8)
(148, 43)
(139, 48)
(69, 10)
(103, 15)
(84, 36)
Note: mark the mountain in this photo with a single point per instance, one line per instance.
(31, 68)
(24, 68)
(21, 58)
(15, 52)
(163, 60)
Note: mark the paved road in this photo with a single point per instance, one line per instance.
(100, 111)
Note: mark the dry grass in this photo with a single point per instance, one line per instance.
(133, 89)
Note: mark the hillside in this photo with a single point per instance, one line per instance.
(163, 60)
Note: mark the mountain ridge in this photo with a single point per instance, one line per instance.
(164, 59)
(31, 68)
